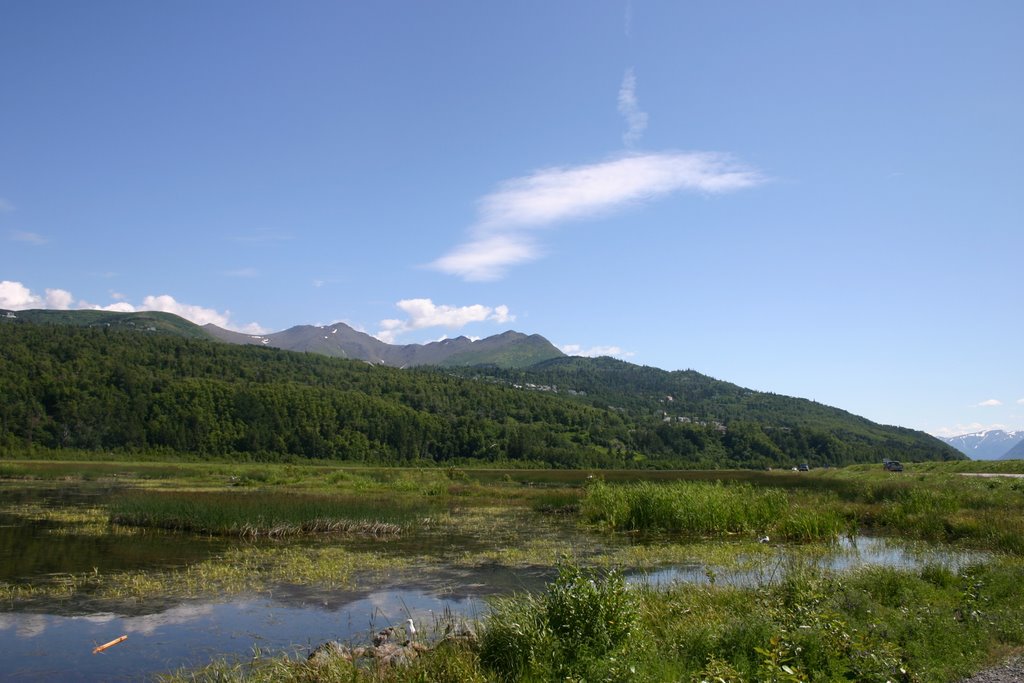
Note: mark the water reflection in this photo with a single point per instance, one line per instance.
(849, 553)
(50, 647)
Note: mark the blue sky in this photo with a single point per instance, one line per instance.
(817, 199)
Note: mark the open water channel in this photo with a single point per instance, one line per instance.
(53, 639)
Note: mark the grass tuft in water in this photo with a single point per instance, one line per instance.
(254, 514)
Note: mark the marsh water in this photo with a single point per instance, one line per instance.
(53, 638)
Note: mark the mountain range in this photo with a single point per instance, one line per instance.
(991, 444)
(507, 350)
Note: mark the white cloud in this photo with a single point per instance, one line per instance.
(120, 307)
(594, 351)
(990, 403)
(197, 314)
(501, 236)
(424, 313)
(59, 299)
(1020, 401)
(17, 297)
(636, 120)
(27, 237)
(564, 193)
(488, 258)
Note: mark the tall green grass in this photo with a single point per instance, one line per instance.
(704, 509)
(252, 514)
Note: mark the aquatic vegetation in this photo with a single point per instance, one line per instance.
(257, 514)
(75, 515)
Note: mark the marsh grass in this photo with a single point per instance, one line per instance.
(37, 511)
(272, 514)
(557, 501)
(708, 509)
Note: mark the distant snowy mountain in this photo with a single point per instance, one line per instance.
(992, 444)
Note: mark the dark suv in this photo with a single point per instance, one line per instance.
(804, 467)
(893, 465)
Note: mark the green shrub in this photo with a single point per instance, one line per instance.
(588, 614)
(516, 638)
(572, 631)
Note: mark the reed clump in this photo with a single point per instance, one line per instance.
(263, 514)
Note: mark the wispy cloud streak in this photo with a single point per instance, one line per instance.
(501, 236)
(636, 120)
(27, 237)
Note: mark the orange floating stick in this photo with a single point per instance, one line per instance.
(112, 643)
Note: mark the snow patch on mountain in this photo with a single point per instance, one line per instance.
(991, 444)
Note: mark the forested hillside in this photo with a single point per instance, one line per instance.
(686, 396)
(102, 389)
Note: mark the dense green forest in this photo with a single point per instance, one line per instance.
(103, 389)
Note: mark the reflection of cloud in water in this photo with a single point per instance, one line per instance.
(183, 614)
(25, 625)
(99, 617)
